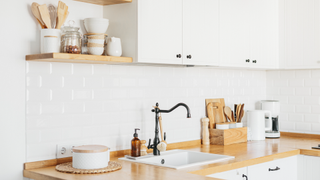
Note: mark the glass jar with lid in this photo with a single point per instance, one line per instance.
(71, 39)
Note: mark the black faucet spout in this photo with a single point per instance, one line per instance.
(177, 105)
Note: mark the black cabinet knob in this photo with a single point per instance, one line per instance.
(254, 61)
(247, 60)
(178, 55)
(189, 56)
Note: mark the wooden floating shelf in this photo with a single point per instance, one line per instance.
(105, 2)
(78, 58)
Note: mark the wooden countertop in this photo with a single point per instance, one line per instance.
(246, 154)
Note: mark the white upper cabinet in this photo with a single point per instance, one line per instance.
(200, 32)
(302, 34)
(160, 31)
(167, 31)
(249, 33)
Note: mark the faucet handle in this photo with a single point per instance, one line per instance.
(164, 136)
(149, 146)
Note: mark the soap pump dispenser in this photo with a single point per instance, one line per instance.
(135, 144)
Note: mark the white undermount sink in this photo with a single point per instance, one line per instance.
(179, 159)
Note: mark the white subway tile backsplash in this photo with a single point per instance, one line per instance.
(36, 95)
(311, 118)
(82, 69)
(52, 81)
(287, 91)
(61, 69)
(295, 99)
(73, 107)
(292, 117)
(280, 83)
(303, 127)
(82, 94)
(287, 74)
(315, 73)
(303, 91)
(73, 82)
(312, 100)
(303, 73)
(296, 82)
(104, 103)
(315, 91)
(302, 110)
(313, 82)
(52, 108)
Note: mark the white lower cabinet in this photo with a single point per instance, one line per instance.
(236, 174)
(281, 169)
(286, 168)
(310, 168)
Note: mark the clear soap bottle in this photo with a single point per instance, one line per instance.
(135, 144)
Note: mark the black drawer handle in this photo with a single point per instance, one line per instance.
(247, 60)
(254, 61)
(276, 169)
(189, 56)
(178, 55)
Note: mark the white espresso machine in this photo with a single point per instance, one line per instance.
(274, 107)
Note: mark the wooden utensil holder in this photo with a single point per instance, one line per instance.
(228, 136)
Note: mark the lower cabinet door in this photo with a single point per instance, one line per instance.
(310, 168)
(280, 169)
(236, 174)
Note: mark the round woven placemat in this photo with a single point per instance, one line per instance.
(67, 167)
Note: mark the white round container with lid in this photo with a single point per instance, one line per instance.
(90, 157)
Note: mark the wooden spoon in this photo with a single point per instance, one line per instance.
(36, 14)
(45, 16)
(232, 117)
(241, 113)
(238, 112)
(227, 112)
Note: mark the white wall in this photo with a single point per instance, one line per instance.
(83, 103)
(20, 36)
(298, 92)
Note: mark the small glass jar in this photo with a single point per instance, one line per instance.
(71, 39)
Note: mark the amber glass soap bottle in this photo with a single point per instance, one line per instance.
(135, 145)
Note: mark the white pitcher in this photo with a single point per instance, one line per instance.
(114, 47)
(257, 124)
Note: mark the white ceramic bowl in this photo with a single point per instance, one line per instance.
(95, 50)
(96, 25)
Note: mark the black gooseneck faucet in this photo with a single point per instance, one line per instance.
(156, 139)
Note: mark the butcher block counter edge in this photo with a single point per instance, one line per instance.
(192, 144)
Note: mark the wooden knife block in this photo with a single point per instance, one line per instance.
(228, 136)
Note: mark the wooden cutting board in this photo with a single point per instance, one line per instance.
(218, 114)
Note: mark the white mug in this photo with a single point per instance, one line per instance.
(257, 124)
(114, 47)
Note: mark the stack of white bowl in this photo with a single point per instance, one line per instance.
(96, 27)
(96, 44)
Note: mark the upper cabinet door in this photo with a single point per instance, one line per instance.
(302, 34)
(264, 35)
(160, 31)
(201, 32)
(235, 32)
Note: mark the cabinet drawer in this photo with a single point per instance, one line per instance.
(280, 169)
